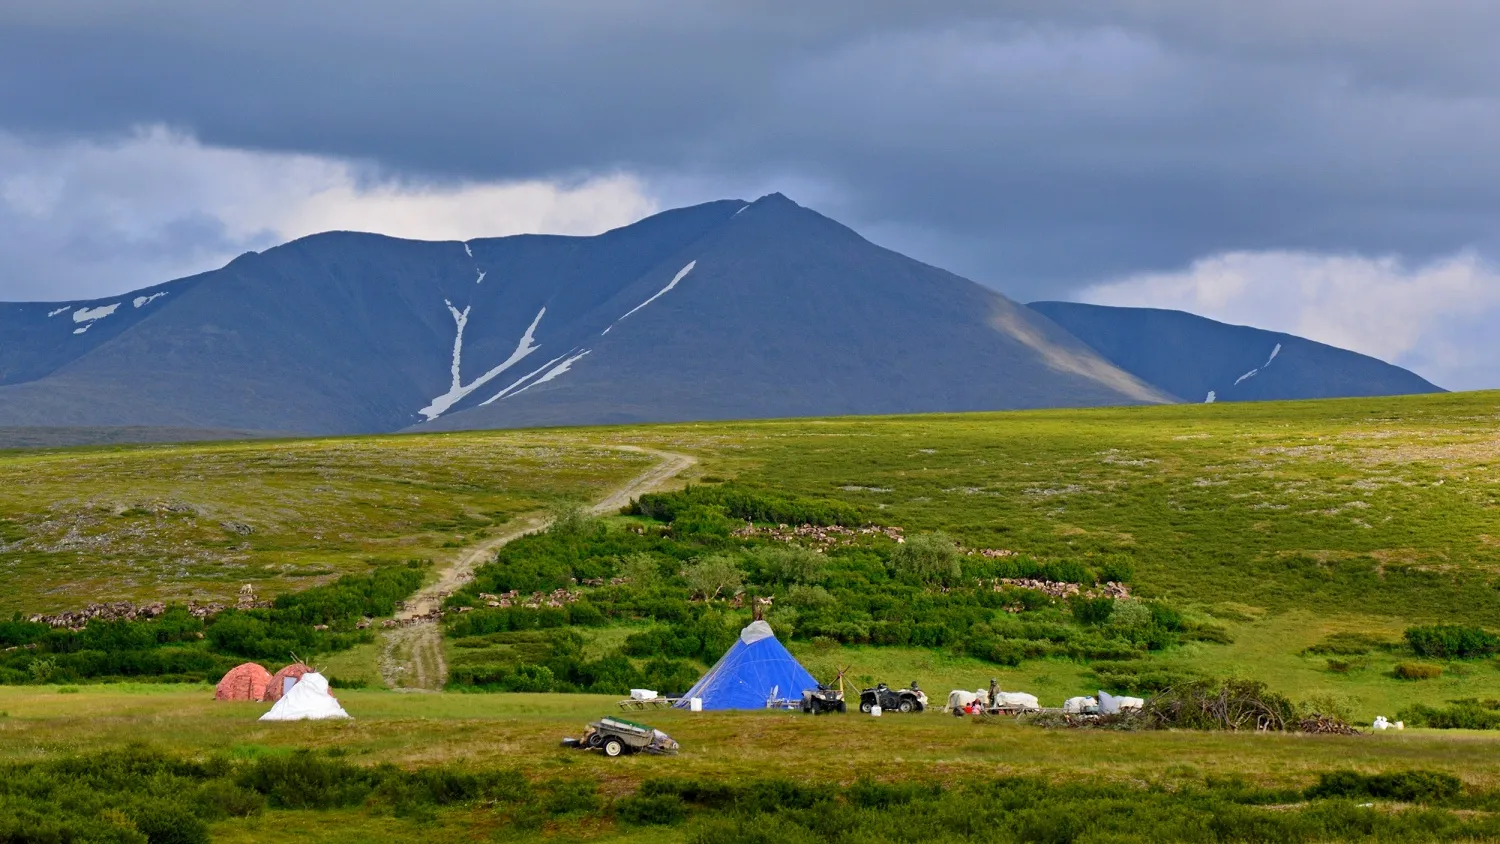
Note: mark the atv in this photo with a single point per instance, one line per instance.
(893, 700)
(822, 699)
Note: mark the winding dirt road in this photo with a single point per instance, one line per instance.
(411, 657)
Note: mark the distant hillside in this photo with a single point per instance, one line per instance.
(36, 437)
(728, 309)
(1198, 359)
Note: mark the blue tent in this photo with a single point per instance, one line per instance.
(752, 673)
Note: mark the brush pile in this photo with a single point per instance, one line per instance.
(1326, 725)
(1232, 705)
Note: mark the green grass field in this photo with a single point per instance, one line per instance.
(1282, 523)
(195, 522)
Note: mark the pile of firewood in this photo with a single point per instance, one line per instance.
(1326, 725)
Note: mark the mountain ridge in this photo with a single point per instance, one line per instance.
(1199, 359)
(727, 309)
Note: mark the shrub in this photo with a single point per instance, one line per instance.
(1452, 641)
(305, 780)
(788, 564)
(1404, 786)
(703, 521)
(1092, 611)
(1344, 666)
(641, 569)
(746, 504)
(931, 559)
(1466, 714)
(166, 822)
(654, 809)
(714, 576)
(1116, 569)
(1131, 619)
(572, 520)
(1345, 644)
(1417, 671)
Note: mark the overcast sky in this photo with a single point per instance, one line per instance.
(1325, 167)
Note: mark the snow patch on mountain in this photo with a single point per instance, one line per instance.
(554, 371)
(479, 280)
(519, 381)
(1252, 373)
(468, 251)
(91, 314)
(88, 316)
(1212, 397)
(681, 274)
(146, 300)
(458, 390)
(64, 309)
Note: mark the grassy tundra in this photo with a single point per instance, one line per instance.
(1313, 535)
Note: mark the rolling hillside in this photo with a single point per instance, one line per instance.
(1198, 359)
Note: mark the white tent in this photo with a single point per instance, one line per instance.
(308, 700)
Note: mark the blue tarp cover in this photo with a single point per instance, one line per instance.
(755, 670)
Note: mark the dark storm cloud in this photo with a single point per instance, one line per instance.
(1034, 146)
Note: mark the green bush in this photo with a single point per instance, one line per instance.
(167, 822)
(1346, 644)
(703, 521)
(1092, 611)
(749, 505)
(649, 810)
(788, 564)
(1466, 714)
(1417, 671)
(931, 559)
(1403, 786)
(1452, 641)
(306, 780)
(714, 576)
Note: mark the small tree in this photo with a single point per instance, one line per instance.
(714, 575)
(930, 558)
(572, 520)
(1131, 619)
(790, 564)
(641, 569)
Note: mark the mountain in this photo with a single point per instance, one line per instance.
(723, 310)
(1198, 359)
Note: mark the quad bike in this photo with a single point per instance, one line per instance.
(893, 700)
(822, 699)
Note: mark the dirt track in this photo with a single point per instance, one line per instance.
(411, 657)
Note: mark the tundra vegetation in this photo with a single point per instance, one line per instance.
(1339, 557)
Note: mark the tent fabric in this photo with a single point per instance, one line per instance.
(1112, 704)
(309, 700)
(243, 682)
(276, 688)
(755, 670)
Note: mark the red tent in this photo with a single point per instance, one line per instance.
(277, 686)
(243, 682)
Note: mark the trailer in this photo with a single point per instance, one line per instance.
(617, 737)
